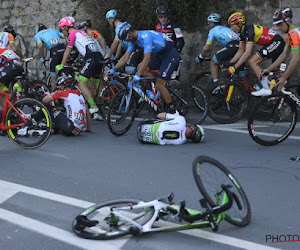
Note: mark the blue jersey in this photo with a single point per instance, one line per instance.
(50, 37)
(222, 34)
(150, 41)
(124, 44)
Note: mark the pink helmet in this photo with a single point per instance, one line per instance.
(66, 21)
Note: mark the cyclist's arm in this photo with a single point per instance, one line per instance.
(41, 49)
(113, 48)
(119, 51)
(47, 99)
(16, 50)
(245, 55)
(123, 60)
(66, 55)
(292, 65)
(239, 53)
(103, 44)
(205, 49)
(144, 64)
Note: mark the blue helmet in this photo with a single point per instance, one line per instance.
(214, 17)
(123, 31)
(111, 14)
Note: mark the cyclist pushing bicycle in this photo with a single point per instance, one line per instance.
(159, 53)
(168, 129)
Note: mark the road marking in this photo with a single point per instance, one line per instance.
(8, 189)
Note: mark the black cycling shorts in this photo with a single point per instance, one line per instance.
(56, 56)
(272, 50)
(90, 64)
(9, 71)
(226, 53)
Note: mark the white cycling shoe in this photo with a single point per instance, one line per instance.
(97, 117)
(94, 110)
(262, 92)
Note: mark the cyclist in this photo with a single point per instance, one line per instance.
(224, 36)
(86, 25)
(52, 40)
(77, 118)
(159, 53)
(10, 67)
(282, 18)
(168, 129)
(7, 39)
(19, 39)
(88, 48)
(271, 41)
(168, 27)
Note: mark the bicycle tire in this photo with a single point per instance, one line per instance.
(222, 111)
(106, 96)
(272, 120)
(39, 126)
(117, 117)
(209, 175)
(108, 232)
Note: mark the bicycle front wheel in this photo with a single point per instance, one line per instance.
(227, 102)
(272, 120)
(107, 225)
(209, 175)
(38, 128)
(121, 113)
(106, 96)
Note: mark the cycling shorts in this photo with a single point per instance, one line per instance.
(226, 53)
(9, 71)
(56, 56)
(272, 50)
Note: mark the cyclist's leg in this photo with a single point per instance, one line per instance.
(56, 56)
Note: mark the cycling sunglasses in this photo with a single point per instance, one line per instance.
(162, 16)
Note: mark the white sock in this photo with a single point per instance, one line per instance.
(264, 84)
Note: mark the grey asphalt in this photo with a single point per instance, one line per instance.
(98, 166)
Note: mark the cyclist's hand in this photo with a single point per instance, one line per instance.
(231, 70)
(227, 64)
(136, 78)
(59, 67)
(42, 60)
(106, 57)
(110, 72)
(280, 83)
(264, 73)
(199, 58)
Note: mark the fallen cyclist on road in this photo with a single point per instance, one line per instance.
(168, 129)
(77, 117)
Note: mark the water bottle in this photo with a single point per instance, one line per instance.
(150, 94)
(17, 87)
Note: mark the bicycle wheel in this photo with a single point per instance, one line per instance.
(38, 128)
(209, 175)
(108, 226)
(36, 89)
(272, 120)
(222, 110)
(106, 96)
(121, 113)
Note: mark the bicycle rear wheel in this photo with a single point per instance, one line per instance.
(38, 128)
(227, 102)
(209, 175)
(121, 113)
(108, 226)
(272, 120)
(106, 96)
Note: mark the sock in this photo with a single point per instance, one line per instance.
(91, 102)
(264, 83)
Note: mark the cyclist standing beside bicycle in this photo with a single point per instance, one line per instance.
(159, 53)
(91, 66)
(272, 42)
(282, 18)
(52, 39)
(224, 36)
(168, 129)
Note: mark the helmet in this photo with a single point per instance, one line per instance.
(214, 17)
(123, 31)
(236, 17)
(162, 10)
(111, 14)
(66, 21)
(40, 27)
(197, 134)
(64, 80)
(85, 23)
(10, 29)
(282, 14)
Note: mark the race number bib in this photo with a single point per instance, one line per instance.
(10, 55)
(56, 40)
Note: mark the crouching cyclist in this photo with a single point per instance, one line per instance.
(168, 129)
(77, 118)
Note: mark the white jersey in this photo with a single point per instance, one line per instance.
(170, 131)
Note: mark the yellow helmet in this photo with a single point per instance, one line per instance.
(236, 17)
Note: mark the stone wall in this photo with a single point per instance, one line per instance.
(25, 14)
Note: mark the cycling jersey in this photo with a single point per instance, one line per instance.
(257, 34)
(293, 38)
(6, 38)
(75, 106)
(150, 41)
(222, 34)
(170, 131)
(50, 37)
(173, 32)
(7, 55)
(95, 34)
(124, 44)
(82, 41)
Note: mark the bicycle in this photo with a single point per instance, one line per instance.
(274, 117)
(27, 122)
(223, 199)
(123, 108)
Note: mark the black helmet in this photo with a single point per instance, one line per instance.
(10, 29)
(85, 23)
(162, 10)
(40, 27)
(64, 80)
(282, 15)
